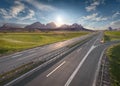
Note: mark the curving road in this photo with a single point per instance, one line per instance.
(76, 69)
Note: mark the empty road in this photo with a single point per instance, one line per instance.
(15, 60)
(76, 69)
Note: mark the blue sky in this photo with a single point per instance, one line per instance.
(92, 14)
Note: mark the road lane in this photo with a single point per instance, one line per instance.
(60, 71)
(31, 57)
(55, 69)
(53, 46)
(12, 61)
(78, 67)
(59, 77)
(86, 73)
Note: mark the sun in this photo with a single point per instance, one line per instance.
(59, 21)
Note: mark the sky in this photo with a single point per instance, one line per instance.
(92, 14)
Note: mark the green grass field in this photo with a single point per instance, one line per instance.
(113, 54)
(13, 42)
(111, 35)
(114, 57)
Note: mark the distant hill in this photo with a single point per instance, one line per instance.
(52, 26)
(37, 26)
(74, 27)
(11, 27)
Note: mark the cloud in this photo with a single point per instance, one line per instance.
(4, 13)
(90, 17)
(94, 17)
(90, 25)
(29, 16)
(13, 11)
(41, 6)
(116, 14)
(92, 6)
(115, 24)
(17, 8)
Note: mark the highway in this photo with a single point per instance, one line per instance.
(76, 69)
(15, 60)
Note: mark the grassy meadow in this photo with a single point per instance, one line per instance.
(111, 35)
(13, 42)
(113, 54)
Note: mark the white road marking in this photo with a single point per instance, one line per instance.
(80, 64)
(78, 67)
(97, 39)
(27, 56)
(79, 50)
(56, 68)
(16, 55)
(98, 68)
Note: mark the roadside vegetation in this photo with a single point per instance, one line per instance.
(113, 53)
(111, 35)
(13, 42)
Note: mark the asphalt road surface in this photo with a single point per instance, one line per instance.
(15, 60)
(76, 69)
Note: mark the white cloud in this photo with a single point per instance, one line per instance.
(4, 13)
(17, 8)
(89, 17)
(13, 11)
(95, 17)
(115, 24)
(92, 6)
(29, 16)
(90, 25)
(116, 14)
(41, 6)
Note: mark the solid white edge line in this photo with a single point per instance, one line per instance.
(80, 64)
(27, 56)
(78, 67)
(55, 69)
(98, 68)
(16, 56)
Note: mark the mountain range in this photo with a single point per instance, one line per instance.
(37, 26)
